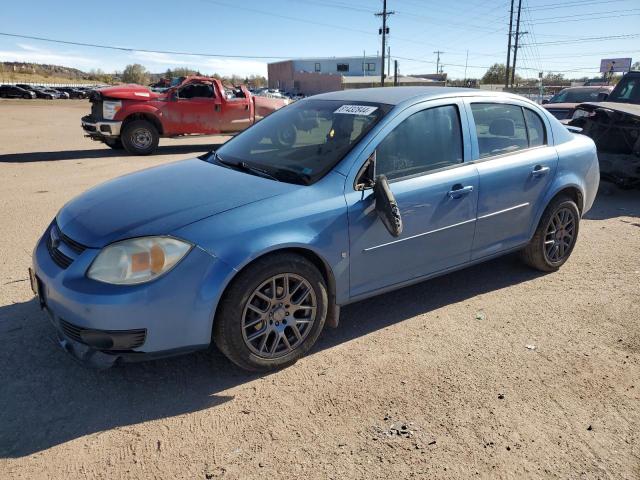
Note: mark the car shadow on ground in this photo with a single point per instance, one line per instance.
(97, 153)
(47, 399)
(612, 202)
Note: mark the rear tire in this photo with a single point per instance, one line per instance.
(555, 237)
(140, 137)
(252, 311)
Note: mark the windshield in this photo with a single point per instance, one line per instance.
(577, 95)
(627, 91)
(303, 141)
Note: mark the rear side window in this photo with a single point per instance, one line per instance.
(500, 128)
(535, 128)
(427, 140)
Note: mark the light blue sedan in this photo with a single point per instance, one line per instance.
(330, 200)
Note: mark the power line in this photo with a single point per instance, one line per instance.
(588, 39)
(588, 19)
(130, 49)
(552, 6)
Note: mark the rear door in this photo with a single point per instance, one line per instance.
(234, 111)
(422, 154)
(516, 165)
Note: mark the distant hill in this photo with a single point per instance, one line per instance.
(9, 69)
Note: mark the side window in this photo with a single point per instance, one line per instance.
(196, 90)
(535, 128)
(425, 141)
(500, 128)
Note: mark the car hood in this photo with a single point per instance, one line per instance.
(129, 92)
(159, 200)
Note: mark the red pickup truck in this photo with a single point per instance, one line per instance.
(134, 118)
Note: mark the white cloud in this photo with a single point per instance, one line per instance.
(223, 66)
(30, 54)
(110, 61)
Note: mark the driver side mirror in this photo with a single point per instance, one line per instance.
(386, 206)
(366, 177)
(545, 101)
(602, 96)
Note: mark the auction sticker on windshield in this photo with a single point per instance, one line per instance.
(356, 109)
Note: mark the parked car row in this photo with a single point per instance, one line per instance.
(23, 90)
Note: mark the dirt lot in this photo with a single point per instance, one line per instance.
(432, 381)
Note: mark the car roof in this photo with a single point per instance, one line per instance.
(397, 95)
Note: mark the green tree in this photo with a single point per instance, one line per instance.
(635, 66)
(495, 74)
(135, 73)
(551, 78)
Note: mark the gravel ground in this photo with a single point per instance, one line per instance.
(495, 371)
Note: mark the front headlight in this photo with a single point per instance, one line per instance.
(110, 108)
(137, 260)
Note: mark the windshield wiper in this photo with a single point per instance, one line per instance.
(245, 167)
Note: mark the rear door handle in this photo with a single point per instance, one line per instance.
(458, 191)
(539, 171)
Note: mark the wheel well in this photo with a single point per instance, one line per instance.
(574, 194)
(311, 256)
(144, 116)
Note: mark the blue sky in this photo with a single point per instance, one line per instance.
(306, 28)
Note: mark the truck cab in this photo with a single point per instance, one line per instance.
(134, 118)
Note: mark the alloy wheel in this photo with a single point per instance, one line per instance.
(279, 315)
(560, 235)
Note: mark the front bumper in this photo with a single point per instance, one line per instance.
(95, 321)
(99, 129)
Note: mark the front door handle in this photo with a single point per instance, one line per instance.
(539, 171)
(458, 191)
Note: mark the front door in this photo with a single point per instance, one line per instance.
(516, 167)
(192, 110)
(422, 154)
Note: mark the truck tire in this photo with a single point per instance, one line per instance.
(114, 143)
(140, 137)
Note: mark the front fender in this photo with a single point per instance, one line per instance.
(138, 108)
(311, 218)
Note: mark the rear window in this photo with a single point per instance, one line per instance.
(503, 129)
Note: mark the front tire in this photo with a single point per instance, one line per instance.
(140, 137)
(272, 313)
(555, 237)
(26, 97)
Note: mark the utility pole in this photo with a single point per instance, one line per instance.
(438, 52)
(515, 50)
(466, 62)
(389, 59)
(395, 73)
(506, 79)
(383, 31)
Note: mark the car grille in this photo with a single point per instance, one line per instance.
(54, 239)
(96, 109)
(122, 339)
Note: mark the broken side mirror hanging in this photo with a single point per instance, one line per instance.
(366, 177)
(386, 206)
